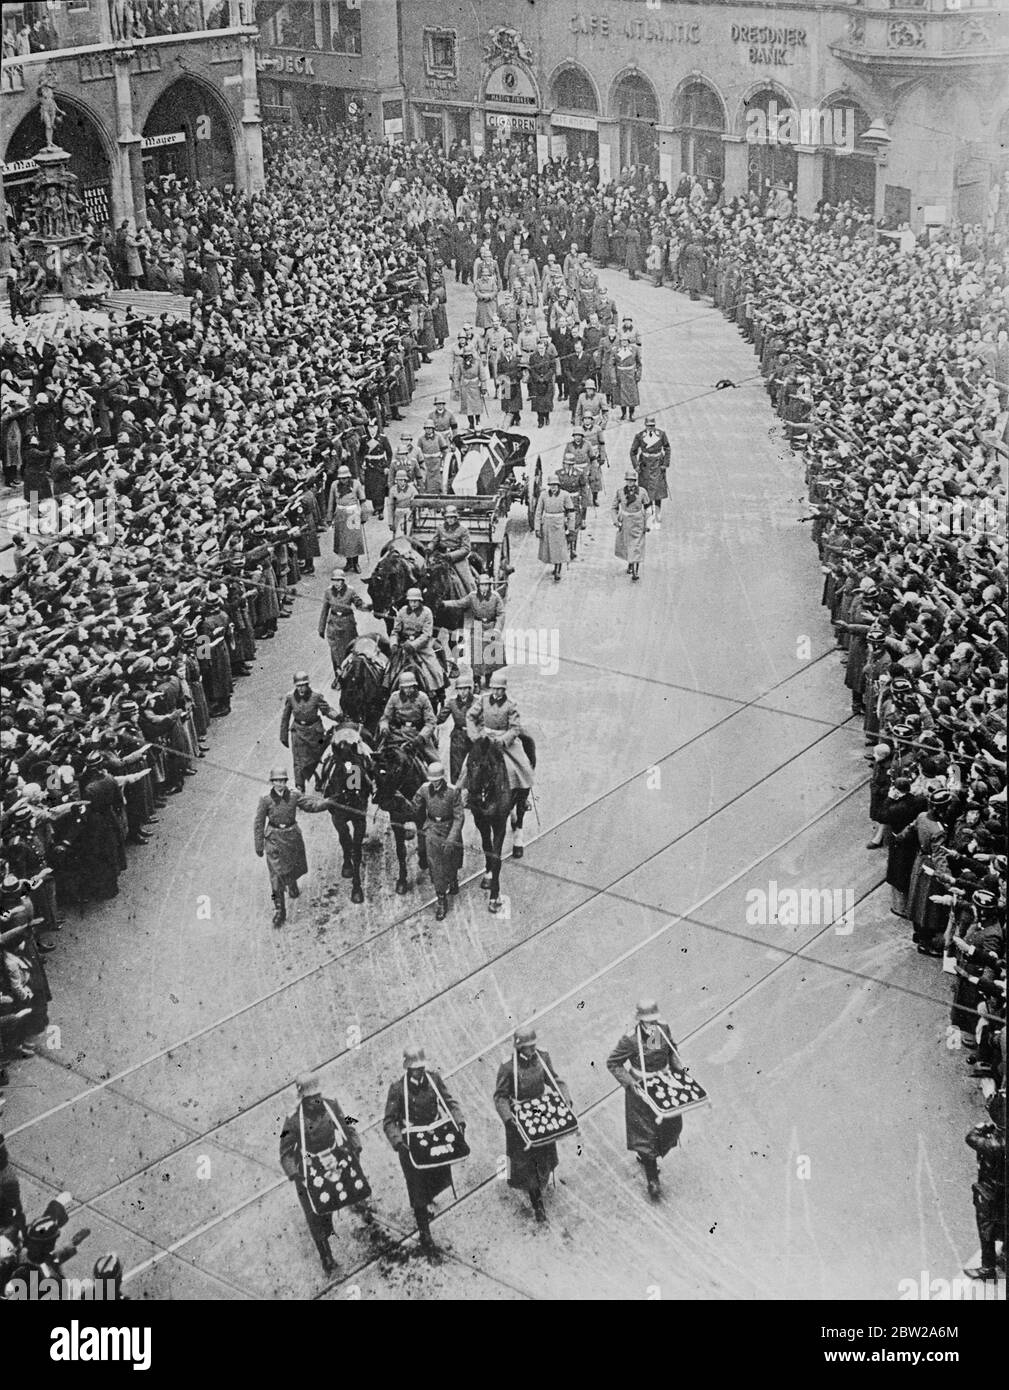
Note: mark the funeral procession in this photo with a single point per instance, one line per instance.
(504, 652)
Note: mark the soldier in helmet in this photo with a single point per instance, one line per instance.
(322, 1126)
(409, 718)
(573, 477)
(108, 1277)
(438, 810)
(337, 621)
(277, 836)
(302, 729)
(456, 708)
(415, 1100)
(649, 1047)
(526, 1076)
(495, 715)
(413, 635)
(485, 612)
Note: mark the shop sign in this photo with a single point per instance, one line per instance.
(300, 64)
(566, 122)
(511, 86)
(501, 120)
(157, 142)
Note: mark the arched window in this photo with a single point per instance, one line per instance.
(571, 90)
(80, 137)
(637, 109)
(701, 120)
(849, 166)
(771, 162)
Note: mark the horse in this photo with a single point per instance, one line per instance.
(399, 775)
(404, 660)
(393, 574)
(345, 775)
(361, 677)
(441, 582)
(492, 801)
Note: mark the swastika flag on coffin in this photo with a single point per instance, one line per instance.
(477, 475)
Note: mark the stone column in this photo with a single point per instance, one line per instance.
(5, 242)
(669, 156)
(249, 168)
(128, 179)
(735, 167)
(808, 180)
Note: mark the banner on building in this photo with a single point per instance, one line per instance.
(566, 122)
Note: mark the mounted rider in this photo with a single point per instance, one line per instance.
(409, 719)
(413, 637)
(494, 715)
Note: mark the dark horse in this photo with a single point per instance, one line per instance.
(393, 574)
(492, 800)
(399, 774)
(345, 775)
(440, 583)
(363, 692)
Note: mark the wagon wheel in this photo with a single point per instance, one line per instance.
(534, 488)
(502, 561)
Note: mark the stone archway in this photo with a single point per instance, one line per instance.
(81, 134)
(701, 122)
(635, 105)
(189, 131)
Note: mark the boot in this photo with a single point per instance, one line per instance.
(518, 841)
(442, 908)
(539, 1211)
(651, 1167)
(280, 910)
(427, 1245)
(325, 1255)
(293, 888)
(453, 887)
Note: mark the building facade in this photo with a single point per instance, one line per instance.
(332, 62)
(902, 105)
(134, 98)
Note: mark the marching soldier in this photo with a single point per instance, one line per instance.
(409, 718)
(431, 457)
(337, 621)
(596, 448)
(573, 477)
(650, 454)
(526, 1078)
(553, 524)
(456, 708)
(438, 808)
(444, 422)
(301, 727)
(276, 834)
(406, 460)
(631, 508)
(416, 1101)
(321, 1126)
(649, 1048)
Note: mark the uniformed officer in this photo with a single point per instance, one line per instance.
(405, 460)
(485, 611)
(416, 1100)
(573, 478)
(649, 1048)
(444, 422)
(276, 834)
(413, 633)
(596, 449)
(456, 708)
(650, 454)
(302, 729)
(438, 809)
(526, 1077)
(495, 716)
(325, 1127)
(409, 718)
(431, 457)
(337, 621)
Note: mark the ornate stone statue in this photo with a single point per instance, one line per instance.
(49, 113)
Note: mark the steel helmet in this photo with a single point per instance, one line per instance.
(498, 680)
(300, 678)
(647, 1011)
(524, 1037)
(108, 1266)
(407, 679)
(413, 1056)
(278, 774)
(415, 593)
(464, 678)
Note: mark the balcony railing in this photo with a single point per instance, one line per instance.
(31, 27)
